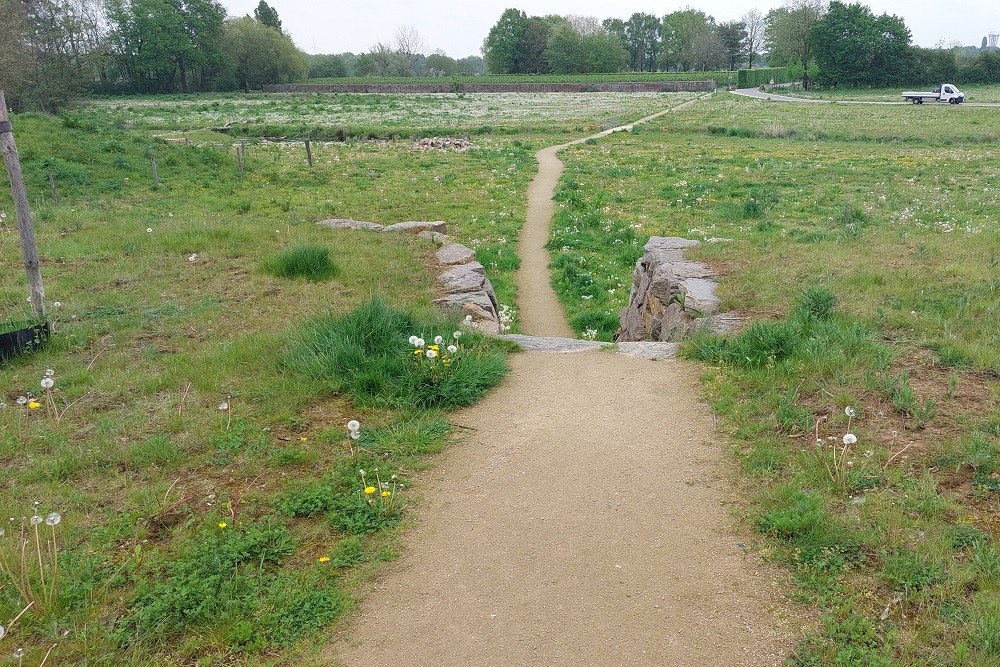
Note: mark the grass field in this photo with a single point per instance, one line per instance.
(333, 115)
(188, 394)
(864, 242)
(212, 344)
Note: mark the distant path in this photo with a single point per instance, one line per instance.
(539, 310)
(775, 97)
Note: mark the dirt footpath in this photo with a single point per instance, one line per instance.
(582, 523)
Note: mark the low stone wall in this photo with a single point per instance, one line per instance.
(579, 87)
(467, 292)
(671, 296)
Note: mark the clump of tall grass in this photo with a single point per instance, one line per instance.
(367, 355)
(309, 261)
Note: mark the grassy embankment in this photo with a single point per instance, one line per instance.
(865, 242)
(194, 440)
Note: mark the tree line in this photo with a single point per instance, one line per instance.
(826, 44)
(55, 50)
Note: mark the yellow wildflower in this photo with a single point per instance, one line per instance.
(369, 490)
(303, 439)
(418, 352)
(34, 405)
(324, 559)
(434, 347)
(386, 494)
(223, 524)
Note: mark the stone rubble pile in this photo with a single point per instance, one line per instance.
(671, 297)
(445, 143)
(467, 292)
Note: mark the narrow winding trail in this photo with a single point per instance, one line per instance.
(581, 522)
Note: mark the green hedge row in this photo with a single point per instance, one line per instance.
(752, 78)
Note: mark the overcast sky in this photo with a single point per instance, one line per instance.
(459, 26)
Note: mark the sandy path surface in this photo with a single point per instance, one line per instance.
(576, 526)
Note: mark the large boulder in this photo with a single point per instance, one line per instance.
(671, 296)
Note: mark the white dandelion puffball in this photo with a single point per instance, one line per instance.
(355, 435)
(149, 230)
(21, 400)
(53, 519)
(413, 340)
(452, 349)
(49, 372)
(468, 318)
(193, 258)
(353, 425)
(47, 383)
(223, 406)
(850, 412)
(457, 334)
(438, 340)
(57, 304)
(35, 520)
(431, 354)
(420, 342)
(850, 439)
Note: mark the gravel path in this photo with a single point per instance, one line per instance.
(581, 522)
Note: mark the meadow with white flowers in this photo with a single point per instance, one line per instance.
(231, 415)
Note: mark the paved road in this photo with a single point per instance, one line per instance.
(777, 97)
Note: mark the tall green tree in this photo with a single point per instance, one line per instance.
(530, 57)
(853, 47)
(681, 29)
(733, 35)
(788, 34)
(581, 45)
(166, 45)
(267, 15)
(258, 54)
(755, 24)
(643, 40)
(501, 46)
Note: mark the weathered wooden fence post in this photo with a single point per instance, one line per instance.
(156, 174)
(239, 157)
(26, 226)
(309, 153)
(52, 188)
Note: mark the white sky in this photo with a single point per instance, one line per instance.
(459, 26)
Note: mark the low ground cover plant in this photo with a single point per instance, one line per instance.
(311, 262)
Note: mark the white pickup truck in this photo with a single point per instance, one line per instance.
(944, 93)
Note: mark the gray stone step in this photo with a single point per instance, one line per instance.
(653, 351)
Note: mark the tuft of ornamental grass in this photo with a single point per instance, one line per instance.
(309, 261)
(366, 355)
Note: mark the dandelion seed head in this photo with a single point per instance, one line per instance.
(353, 425)
(452, 349)
(438, 340)
(149, 230)
(35, 520)
(850, 412)
(413, 340)
(458, 334)
(223, 406)
(21, 400)
(850, 439)
(431, 354)
(57, 304)
(53, 519)
(47, 383)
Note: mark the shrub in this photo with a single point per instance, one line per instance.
(311, 262)
(365, 354)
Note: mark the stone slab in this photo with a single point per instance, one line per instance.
(670, 243)
(415, 227)
(699, 296)
(339, 223)
(455, 253)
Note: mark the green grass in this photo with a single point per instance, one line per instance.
(861, 245)
(974, 93)
(311, 262)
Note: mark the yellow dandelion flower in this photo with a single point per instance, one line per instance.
(304, 439)
(223, 524)
(324, 559)
(34, 405)
(434, 347)
(369, 490)
(386, 494)
(418, 352)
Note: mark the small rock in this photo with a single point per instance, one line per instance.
(699, 297)
(436, 238)
(469, 277)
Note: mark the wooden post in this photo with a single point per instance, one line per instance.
(309, 153)
(26, 226)
(156, 175)
(52, 188)
(239, 157)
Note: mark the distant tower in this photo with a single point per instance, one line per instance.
(994, 36)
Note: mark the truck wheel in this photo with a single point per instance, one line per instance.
(954, 100)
